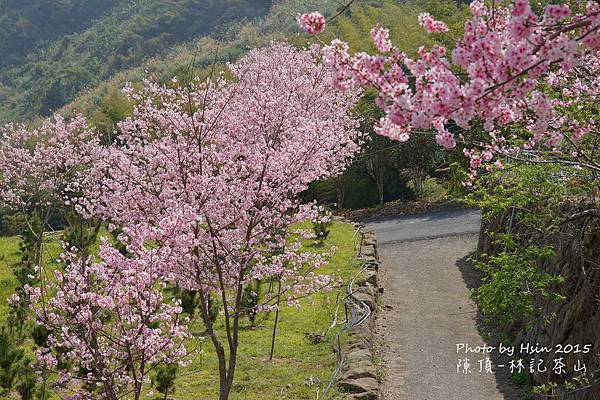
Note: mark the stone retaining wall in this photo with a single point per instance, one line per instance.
(577, 319)
(359, 378)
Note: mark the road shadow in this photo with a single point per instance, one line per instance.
(491, 335)
(425, 215)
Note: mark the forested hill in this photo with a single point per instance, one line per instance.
(52, 50)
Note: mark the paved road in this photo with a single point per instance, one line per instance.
(428, 310)
(426, 226)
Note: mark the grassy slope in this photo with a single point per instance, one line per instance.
(198, 54)
(9, 256)
(55, 70)
(296, 358)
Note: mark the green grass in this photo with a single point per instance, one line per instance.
(296, 359)
(434, 190)
(9, 257)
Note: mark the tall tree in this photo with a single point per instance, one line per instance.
(215, 172)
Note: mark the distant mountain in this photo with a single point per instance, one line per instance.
(53, 50)
(104, 104)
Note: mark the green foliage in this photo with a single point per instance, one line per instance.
(418, 159)
(519, 377)
(531, 198)
(11, 223)
(545, 388)
(536, 191)
(164, 379)
(457, 176)
(359, 190)
(11, 355)
(55, 50)
(113, 109)
(513, 281)
(26, 382)
(250, 300)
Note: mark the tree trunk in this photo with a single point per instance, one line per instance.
(340, 197)
(223, 382)
(380, 188)
(276, 321)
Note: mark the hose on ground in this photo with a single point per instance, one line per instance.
(360, 311)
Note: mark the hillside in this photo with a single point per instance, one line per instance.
(71, 54)
(54, 50)
(195, 57)
(278, 24)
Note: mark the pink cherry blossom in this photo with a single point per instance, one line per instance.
(381, 38)
(313, 23)
(429, 23)
(214, 172)
(497, 75)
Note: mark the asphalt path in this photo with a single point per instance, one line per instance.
(426, 226)
(428, 311)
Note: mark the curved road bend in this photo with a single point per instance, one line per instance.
(428, 310)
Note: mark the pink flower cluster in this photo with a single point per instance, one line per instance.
(430, 24)
(105, 315)
(381, 38)
(492, 79)
(313, 23)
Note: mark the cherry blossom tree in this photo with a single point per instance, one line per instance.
(214, 172)
(520, 77)
(38, 168)
(108, 323)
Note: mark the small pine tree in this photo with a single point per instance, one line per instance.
(321, 226)
(164, 380)
(250, 300)
(189, 299)
(79, 233)
(26, 380)
(11, 355)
